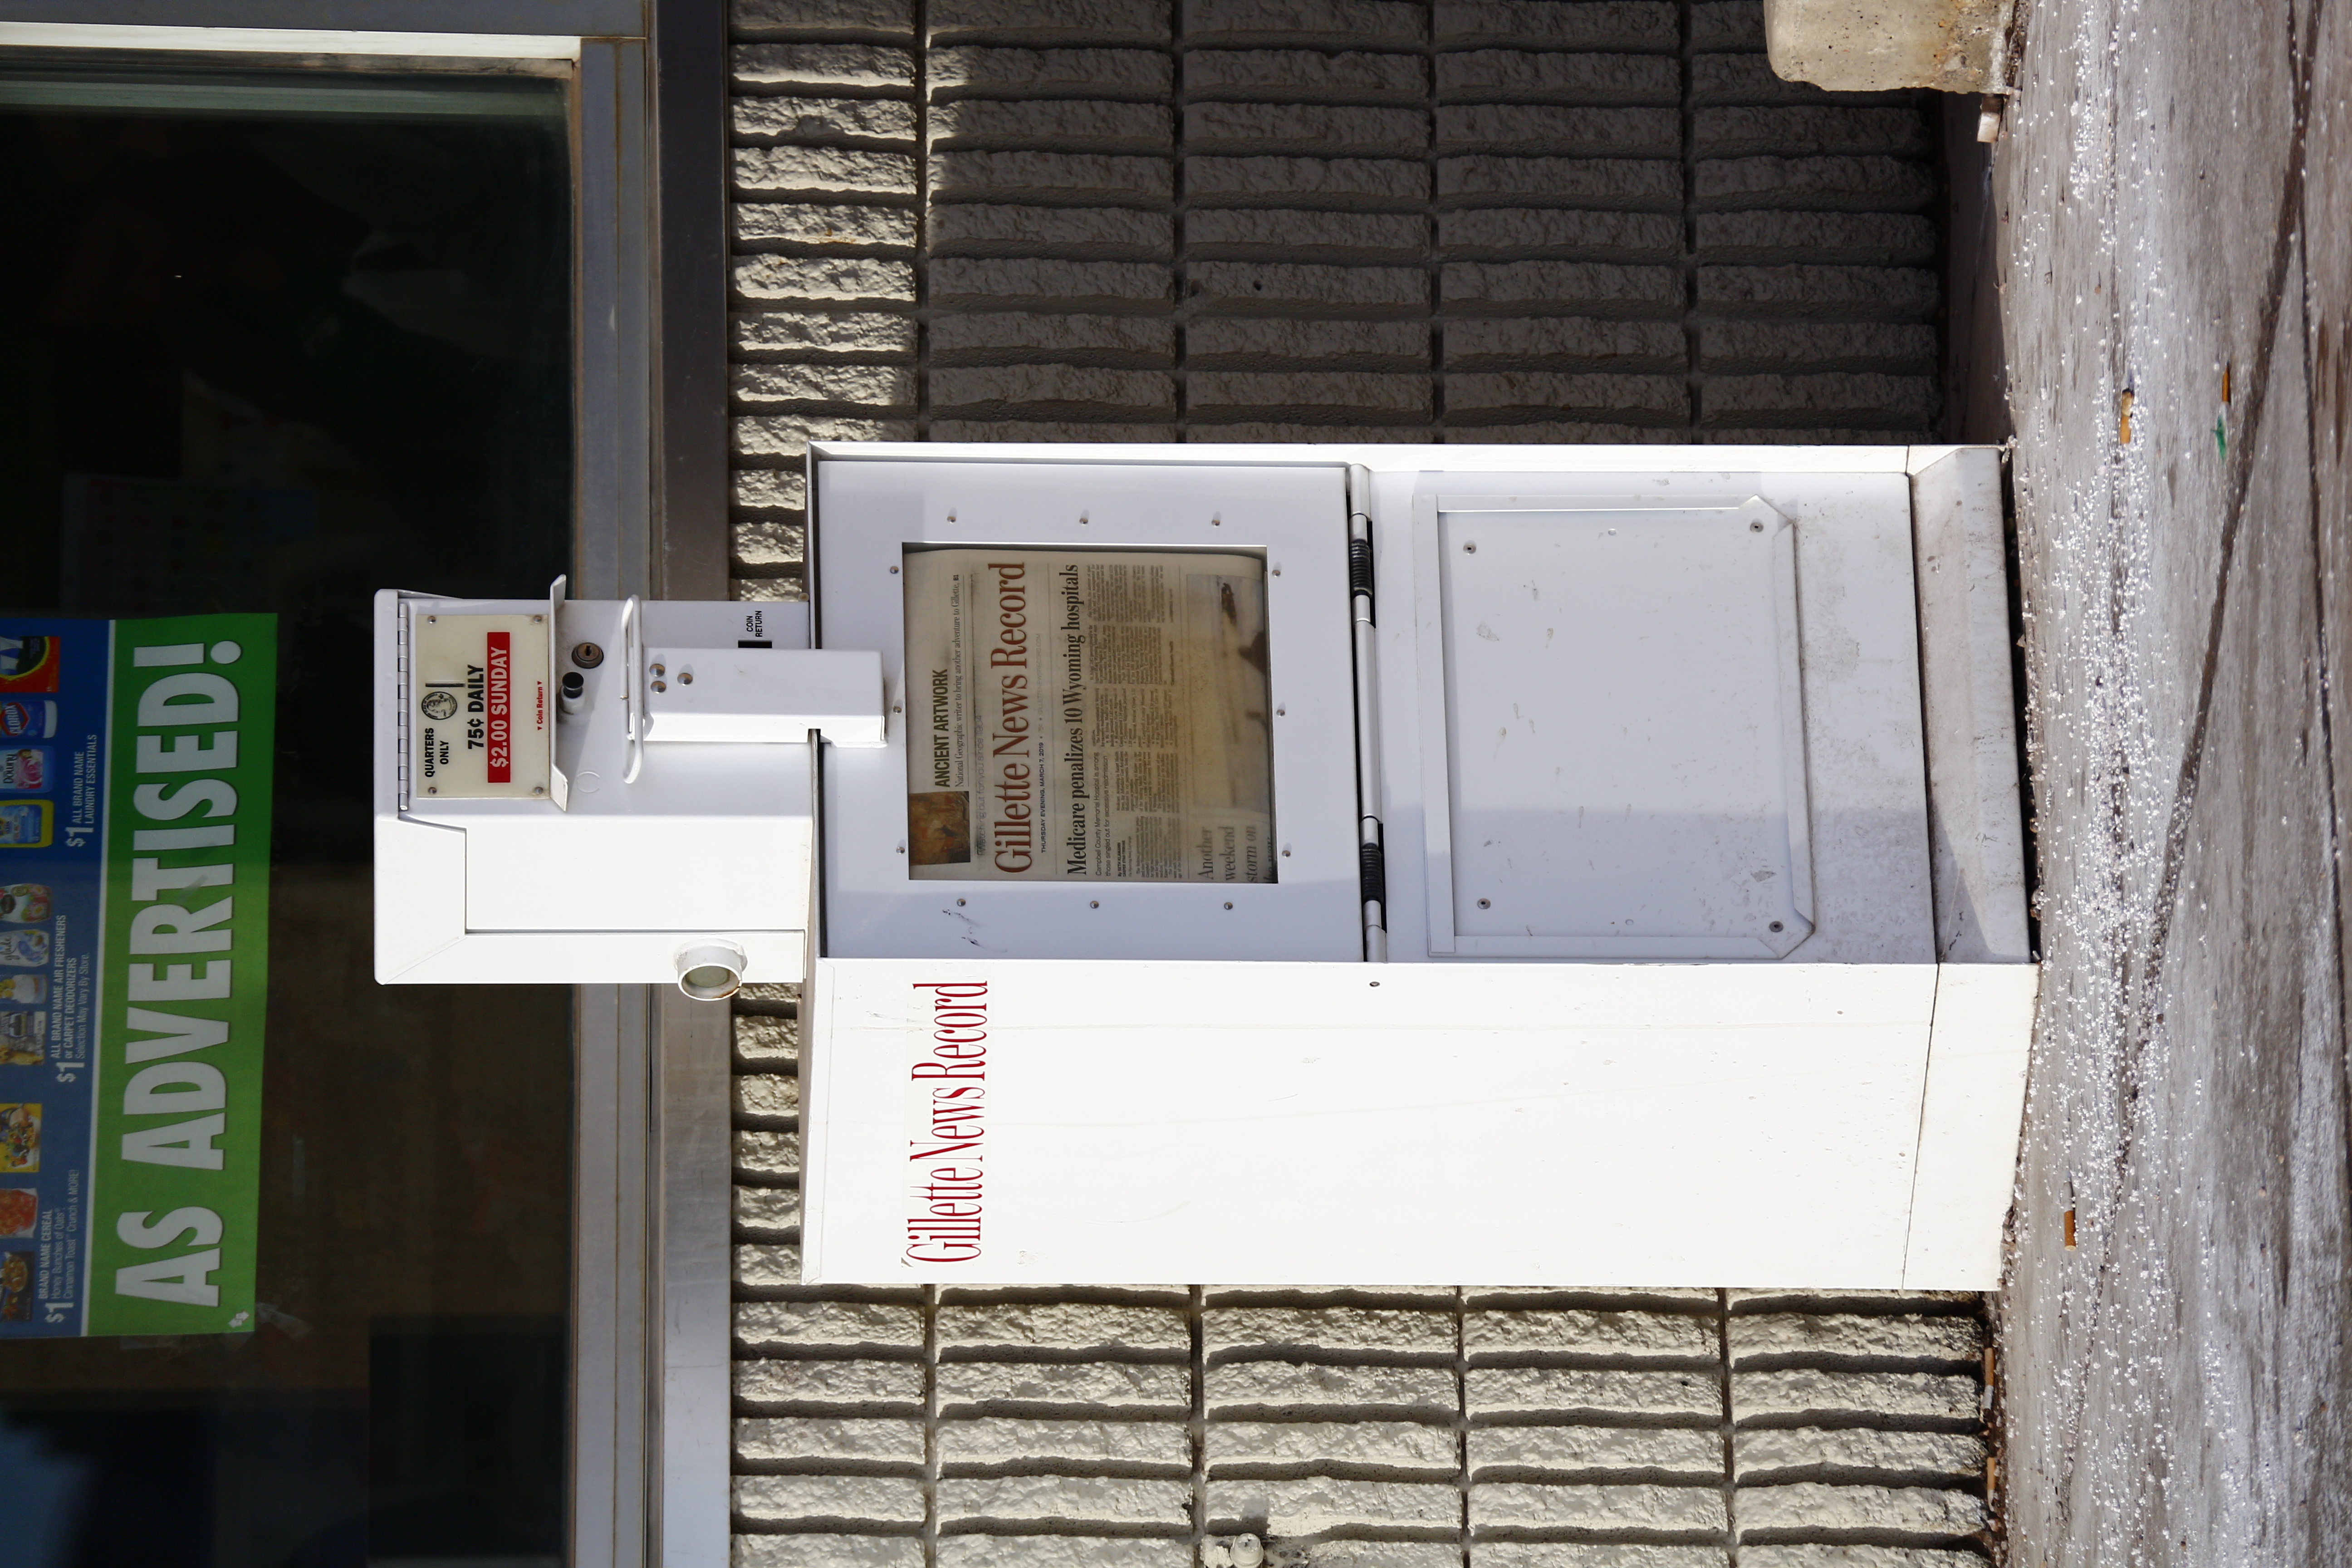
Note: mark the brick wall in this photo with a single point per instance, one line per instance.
(1093, 219)
(1501, 221)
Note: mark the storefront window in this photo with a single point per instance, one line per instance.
(274, 342)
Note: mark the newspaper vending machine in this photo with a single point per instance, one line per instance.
(1304, 865)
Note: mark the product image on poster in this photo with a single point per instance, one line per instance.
(20, 1138)
(23, 1039)
(28, 662)
(27, 718)
(26, 770)
(27, 823)
(1087, 715)
(134, 969)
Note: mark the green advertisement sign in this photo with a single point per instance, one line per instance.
(134, 975)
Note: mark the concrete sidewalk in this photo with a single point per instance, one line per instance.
(2173, 210)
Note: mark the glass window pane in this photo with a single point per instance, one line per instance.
(272, 343)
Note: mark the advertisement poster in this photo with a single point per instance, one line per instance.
(134, 922)
(1088, 715)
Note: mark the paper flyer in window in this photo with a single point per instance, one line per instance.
(1087, 715)
(135, 763)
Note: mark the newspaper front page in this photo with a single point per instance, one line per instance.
(1087, 715)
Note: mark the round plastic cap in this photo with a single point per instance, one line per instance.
(711, 970)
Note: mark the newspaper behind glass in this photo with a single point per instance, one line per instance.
(1087, 715)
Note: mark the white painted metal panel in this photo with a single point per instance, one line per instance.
(1623, 766)
(1314, 1123)
(1975, 1104)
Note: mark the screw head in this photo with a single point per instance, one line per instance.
(959, 903)
(1486, 903)
(1755, 528)
(1228, 903)
(1469, 549)
(1777, 926)
(1094, 903)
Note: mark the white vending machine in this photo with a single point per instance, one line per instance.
(1303, 865)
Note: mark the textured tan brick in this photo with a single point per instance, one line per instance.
(766, 543)
(767, 1094)
(1123, 1385)
(1597, 1449)
(1398, 1443)
(1632, 1335)
(999, 1439)
(1354, 73)
(1026, 280)
(1719, 132)
(768, 1210)
(848, 1324)
(1569, 229)
(751, 18)
(873, 385)
(1908, 1511)
(1844, 397)
(808, 333)
(1049, 430)
(1388, 21)
(1855, 1557)
(1877, 185)
(1494, 1390)
(788, 434)
(1617, 24)
(1266, 284)
(814, 226)
(1143, 20)
(1054, 122)
(849, 170)
(1583, 1554)
(1282, 233)
(1291, 1385)
(1272, 338)
(761, 1036)
(1035, 1499)
(767, 590)
(821, 65)
(761, 1265)
(815, 119)
(1807, 1391)
(1596, 1507)
(1467, 393)
(1326, 1328)
(1651, 182)
(1544, 128)
(1014, 175)
(1392, 394)
(762, 1437)
(778, 1499)
(823, 278)
(1392, 179)
(1049, 332)
(1127, 72)
(1313, 1504)
(802, 1550)
(1316, 129)
(1001, 228)
(1061, 1552)
(1819, 290)
(1907, 1336)
(1064, 1325)
(1468, 75)
(768, 1154)
(853, 1382)
(1538, 340)
(1143, 391)
(1560, 285)
(1958, 1455)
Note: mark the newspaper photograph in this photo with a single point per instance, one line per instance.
(1087, 715)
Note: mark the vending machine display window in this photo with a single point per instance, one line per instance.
(1088, 716)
